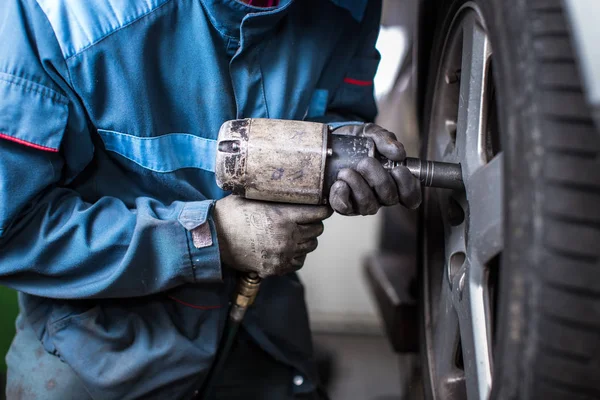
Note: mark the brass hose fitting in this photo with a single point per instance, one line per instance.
(247, 289)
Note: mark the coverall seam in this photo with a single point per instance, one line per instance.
(194, 306)
(52, 94)
(123, 26)
(262, 75)
(115, 133)
(69, 79)
(189, 251)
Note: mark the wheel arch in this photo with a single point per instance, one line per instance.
(428, 17)
(585, 32)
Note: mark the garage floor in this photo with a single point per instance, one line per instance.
(365, 368)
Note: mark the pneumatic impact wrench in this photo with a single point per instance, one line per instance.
(295, 162)
(298, 161)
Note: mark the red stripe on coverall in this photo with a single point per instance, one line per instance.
(192, 305)
(28, 144)
(357, 82)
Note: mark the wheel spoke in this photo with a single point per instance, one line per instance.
(474, 68)
(485, 195)
(449, 377)
(470, 302)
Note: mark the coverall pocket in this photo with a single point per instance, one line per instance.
(357, 85)
(26, 107)
(57, 323)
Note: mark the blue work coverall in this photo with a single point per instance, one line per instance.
(109, 111)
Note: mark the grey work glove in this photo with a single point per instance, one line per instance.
(267, 238)
(368, 187)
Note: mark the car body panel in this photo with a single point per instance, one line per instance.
(585, 30)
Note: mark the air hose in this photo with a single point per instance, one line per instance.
(247, 289)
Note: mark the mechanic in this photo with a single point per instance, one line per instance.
(111, 225)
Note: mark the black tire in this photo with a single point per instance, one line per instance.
(548, 328)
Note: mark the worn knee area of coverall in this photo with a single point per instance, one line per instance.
(33, 373)
(250, 372)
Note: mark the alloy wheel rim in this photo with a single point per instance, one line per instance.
(460, 297)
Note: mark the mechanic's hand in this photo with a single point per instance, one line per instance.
(267, 238)
(364, 189)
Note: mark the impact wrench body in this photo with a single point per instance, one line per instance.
(298, 161)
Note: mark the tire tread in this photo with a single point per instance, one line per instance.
(559, 75)
(571, 340)
(564, 350)
(550, 389)
(545, 5)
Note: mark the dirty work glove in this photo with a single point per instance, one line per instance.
(267, 238)
(364, 189)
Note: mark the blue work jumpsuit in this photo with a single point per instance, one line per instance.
(109, 110)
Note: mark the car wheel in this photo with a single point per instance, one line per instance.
(510, 284)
